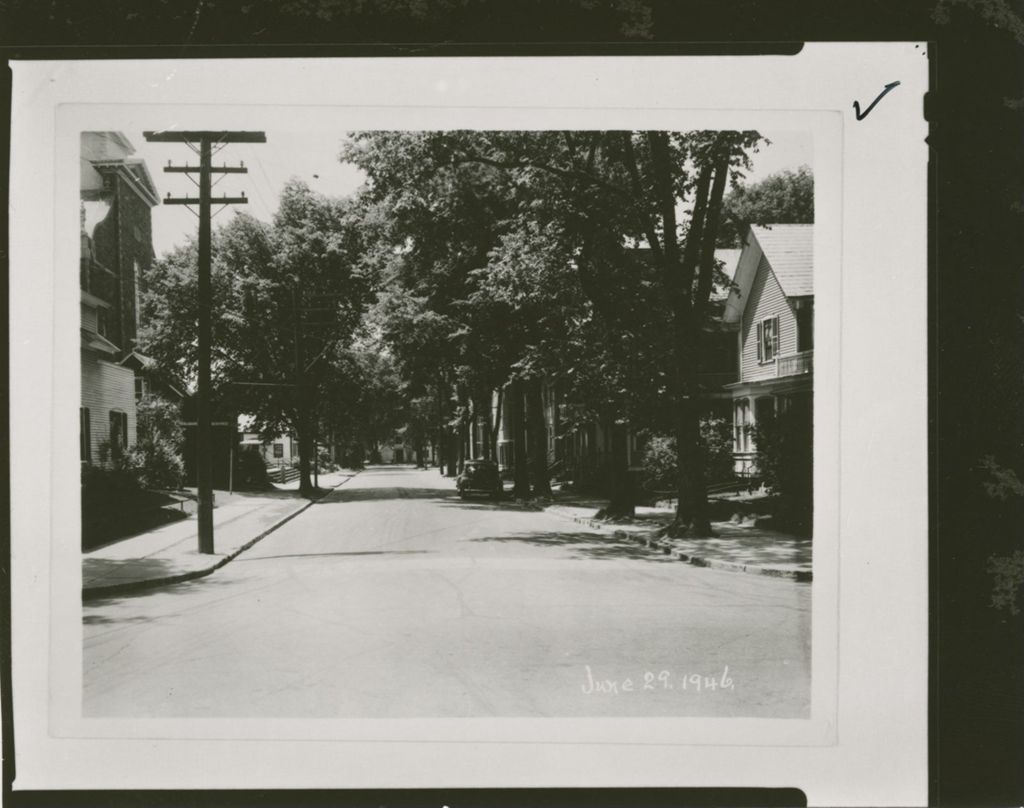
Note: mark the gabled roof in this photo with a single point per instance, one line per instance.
(137, 361)
(91, 341)
(138, 176)
(729, 257)
(790, 251)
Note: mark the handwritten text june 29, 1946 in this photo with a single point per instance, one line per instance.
(655, 681)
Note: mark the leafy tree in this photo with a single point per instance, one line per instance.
(287, 299)
(618, 190)
(462, 197)
(443, 221)
(480, 217)
(783, 198)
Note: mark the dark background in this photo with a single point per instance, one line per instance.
(976, 294)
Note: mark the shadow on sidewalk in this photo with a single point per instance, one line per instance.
(163, 569)
(106, 571)
(585, 545)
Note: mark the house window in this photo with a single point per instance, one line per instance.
(101, 322)
(118, 434)
(741, 423)
(768, 339)
(141, 388)
(84, 435)
(805, 327)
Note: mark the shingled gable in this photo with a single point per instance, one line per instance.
(789, 250)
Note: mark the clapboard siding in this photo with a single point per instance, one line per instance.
(766, 300)
(88, 318)
(106, 387)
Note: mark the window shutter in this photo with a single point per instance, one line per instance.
(775, 337)
(760, 340)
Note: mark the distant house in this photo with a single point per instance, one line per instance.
(116, 199)
(771, 306)
(396, 452)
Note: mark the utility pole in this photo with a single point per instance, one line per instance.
(203, 142)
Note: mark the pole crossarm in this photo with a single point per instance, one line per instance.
(215, 200)
(210, 136)
(187, 169)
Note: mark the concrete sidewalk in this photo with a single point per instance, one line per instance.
(737, 547)
(170, 553)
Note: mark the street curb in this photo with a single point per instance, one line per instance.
(801, 576)
(90, 593)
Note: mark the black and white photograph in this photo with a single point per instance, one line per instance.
(446, 424)
(472, 423)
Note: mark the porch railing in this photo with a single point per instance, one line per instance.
(796, 364)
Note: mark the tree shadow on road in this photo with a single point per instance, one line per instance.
(585, 545)
(481, 504)
(342, 495)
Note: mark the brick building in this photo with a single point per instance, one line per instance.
(117, 197)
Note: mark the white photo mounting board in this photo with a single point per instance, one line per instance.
(865, 739)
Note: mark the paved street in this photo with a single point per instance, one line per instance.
(391, 597)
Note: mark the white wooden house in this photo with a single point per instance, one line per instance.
(771, 306)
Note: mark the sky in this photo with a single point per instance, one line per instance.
(313, 158)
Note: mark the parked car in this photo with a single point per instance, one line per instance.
(479, 477)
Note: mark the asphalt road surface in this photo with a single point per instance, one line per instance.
(391, 597)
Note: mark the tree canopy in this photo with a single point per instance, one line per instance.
(287, 299)
(783, 198)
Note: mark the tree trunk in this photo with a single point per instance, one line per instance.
(445, 455)
(496, 425)
(538, 435)
(462, 429)
(305, 436)
(692, 504)
(520, 470)
(482, 415)
(681, 270)
(452, 450)
(461, 446)
(622, 500)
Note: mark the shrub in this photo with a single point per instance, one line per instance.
(156, 456)
(325, 460)
(786, 464)
(660, 471)
(716, 433)
(659, 467)
(250, 469)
